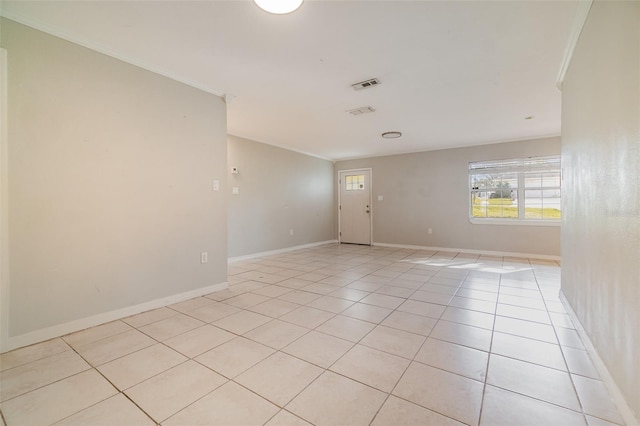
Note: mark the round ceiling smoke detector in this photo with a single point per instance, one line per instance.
(391, 135)
(279, 7)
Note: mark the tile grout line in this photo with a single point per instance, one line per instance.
(376, 263)
(486, 373)
(564, 358)
(389, 394)
(118, 391)
(122, 392)
(328, 369)
(325, 370)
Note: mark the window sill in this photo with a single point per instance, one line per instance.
(516, 222)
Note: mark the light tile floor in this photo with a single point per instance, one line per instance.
(337, 334)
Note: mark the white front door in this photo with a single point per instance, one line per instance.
(354, 209)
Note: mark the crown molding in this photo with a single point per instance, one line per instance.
(582, 12)
(80, 41)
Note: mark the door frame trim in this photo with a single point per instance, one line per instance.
(367, 169)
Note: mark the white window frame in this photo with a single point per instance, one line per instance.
(519, 166)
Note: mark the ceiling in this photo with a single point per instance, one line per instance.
(452, 73)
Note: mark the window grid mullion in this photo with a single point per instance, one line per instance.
(487, 182)
(521, 199)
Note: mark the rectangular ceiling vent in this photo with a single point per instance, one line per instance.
(366, 84)
(361, 110)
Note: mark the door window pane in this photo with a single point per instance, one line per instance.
(354, 182)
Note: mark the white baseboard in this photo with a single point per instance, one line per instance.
(41, 335)
(471, 251)
(616, 395)
(279, 251)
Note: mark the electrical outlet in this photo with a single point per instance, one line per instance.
(216, 185)
(429, 231)
(204, 257)
(290, 231)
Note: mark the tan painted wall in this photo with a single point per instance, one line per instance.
(279, 191)
(601, 156)
(110, 183)
(430, 190)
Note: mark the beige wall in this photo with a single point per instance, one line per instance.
(430, 190)
(110, 172)
(279, 191)
(601, 190)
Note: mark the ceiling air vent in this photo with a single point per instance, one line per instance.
(366, 84)
(361, 110)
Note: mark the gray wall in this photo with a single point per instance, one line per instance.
(430, 190)
(110, 171)
(601, 190)
(279, 191)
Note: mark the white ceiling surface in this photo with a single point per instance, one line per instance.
(453, 73)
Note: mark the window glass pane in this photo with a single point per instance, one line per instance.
(509, 180)
(480, 211)
(533, 180)
(533, 204)
(542, 204)
(551, 180)
(502, 186)
(551, 204)
(494, 188)
(354, 182)
(478, 204)
(479, 194)
(542, 180)
(505, 206)
(479, 182)
(486, 204)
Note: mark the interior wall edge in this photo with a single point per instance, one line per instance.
(4, 207)
(279, 251)
(110, 201)
(473, 251)
(601, 190)
(59, 330)
(278, 198)
(56, 32)
(579, 21)
(285, 147)
(618, 398)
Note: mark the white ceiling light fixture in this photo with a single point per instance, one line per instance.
(278, 7)
(391, 135)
